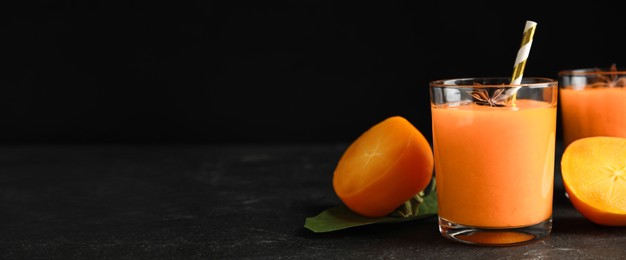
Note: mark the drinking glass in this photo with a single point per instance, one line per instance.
(494, 150)
(592, 103)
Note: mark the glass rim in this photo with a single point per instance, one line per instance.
(592, 71)
(498, 82)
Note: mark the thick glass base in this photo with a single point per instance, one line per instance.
(495, 236)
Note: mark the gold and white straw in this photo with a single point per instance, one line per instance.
(522, 53)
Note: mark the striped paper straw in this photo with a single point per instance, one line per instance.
(522, 53)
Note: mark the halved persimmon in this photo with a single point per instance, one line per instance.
(594, 176)
(384, 167)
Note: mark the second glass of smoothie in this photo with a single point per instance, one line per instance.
(592, 103)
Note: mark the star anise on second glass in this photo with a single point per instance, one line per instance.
(610, 81)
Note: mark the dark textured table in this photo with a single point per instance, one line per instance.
(224, 202)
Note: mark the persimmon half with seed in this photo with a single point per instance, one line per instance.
(387, 165)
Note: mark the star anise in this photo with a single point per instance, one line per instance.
(482, 97)
(609, 81)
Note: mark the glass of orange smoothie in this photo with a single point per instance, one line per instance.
(592, 103)
(494, 147)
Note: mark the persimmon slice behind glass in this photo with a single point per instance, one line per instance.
(594, 176)
(384, 167)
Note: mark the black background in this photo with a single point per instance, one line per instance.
(267, 72)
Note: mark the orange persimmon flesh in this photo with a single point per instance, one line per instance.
(594, 176)
(384, 167)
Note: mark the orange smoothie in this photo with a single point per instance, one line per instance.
(592, 112)
(494, 166)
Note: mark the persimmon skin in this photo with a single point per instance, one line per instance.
(584, 165)
(384, 167)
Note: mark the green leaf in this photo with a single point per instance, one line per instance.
(340, 217)
(429, 206)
